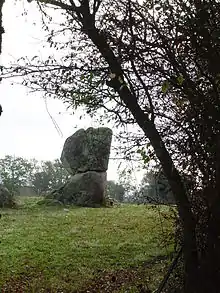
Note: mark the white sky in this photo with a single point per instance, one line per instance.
(25, 127)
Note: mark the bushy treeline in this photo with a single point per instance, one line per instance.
(42, 176)
(45, 176)
(154, 188)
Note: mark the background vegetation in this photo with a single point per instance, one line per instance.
(45, 176)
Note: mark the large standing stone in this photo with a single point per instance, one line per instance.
(85, 156)
(87, 150)
(6, 198)
(84, 189)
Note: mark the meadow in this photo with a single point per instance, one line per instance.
(73, 249)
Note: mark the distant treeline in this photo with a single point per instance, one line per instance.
(23, 176)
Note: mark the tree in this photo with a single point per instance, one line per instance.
(115, 190)
(155, 189)
(15, 172)
(1, 27)
(49, 176)
(59, 174)
(1, 33)
(41, 182)
(156, 64)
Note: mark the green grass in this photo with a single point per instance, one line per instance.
(49, 249)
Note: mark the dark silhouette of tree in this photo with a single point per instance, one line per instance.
(155, 189)
(1, 25)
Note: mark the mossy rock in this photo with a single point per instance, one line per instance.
(87, 150)
(83, 189)
(6, 198)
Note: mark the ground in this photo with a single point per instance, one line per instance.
(57, 249)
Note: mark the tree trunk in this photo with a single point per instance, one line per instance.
(174, 179)
(210, 259)
(179, 192)
(1, 27)
(210, 265)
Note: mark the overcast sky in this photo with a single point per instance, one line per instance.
(26, 129)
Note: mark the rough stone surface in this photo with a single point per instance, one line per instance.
(6, 198)
(85, 156)
(87, 150)
(84, 189)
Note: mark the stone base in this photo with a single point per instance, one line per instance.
(84, 189)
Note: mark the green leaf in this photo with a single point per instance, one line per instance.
(165, 86)
(91, 76)
(180, 80)
(147, 160)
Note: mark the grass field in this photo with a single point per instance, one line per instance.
(53, 249)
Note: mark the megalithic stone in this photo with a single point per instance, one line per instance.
(83, 189)
(87, 150)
